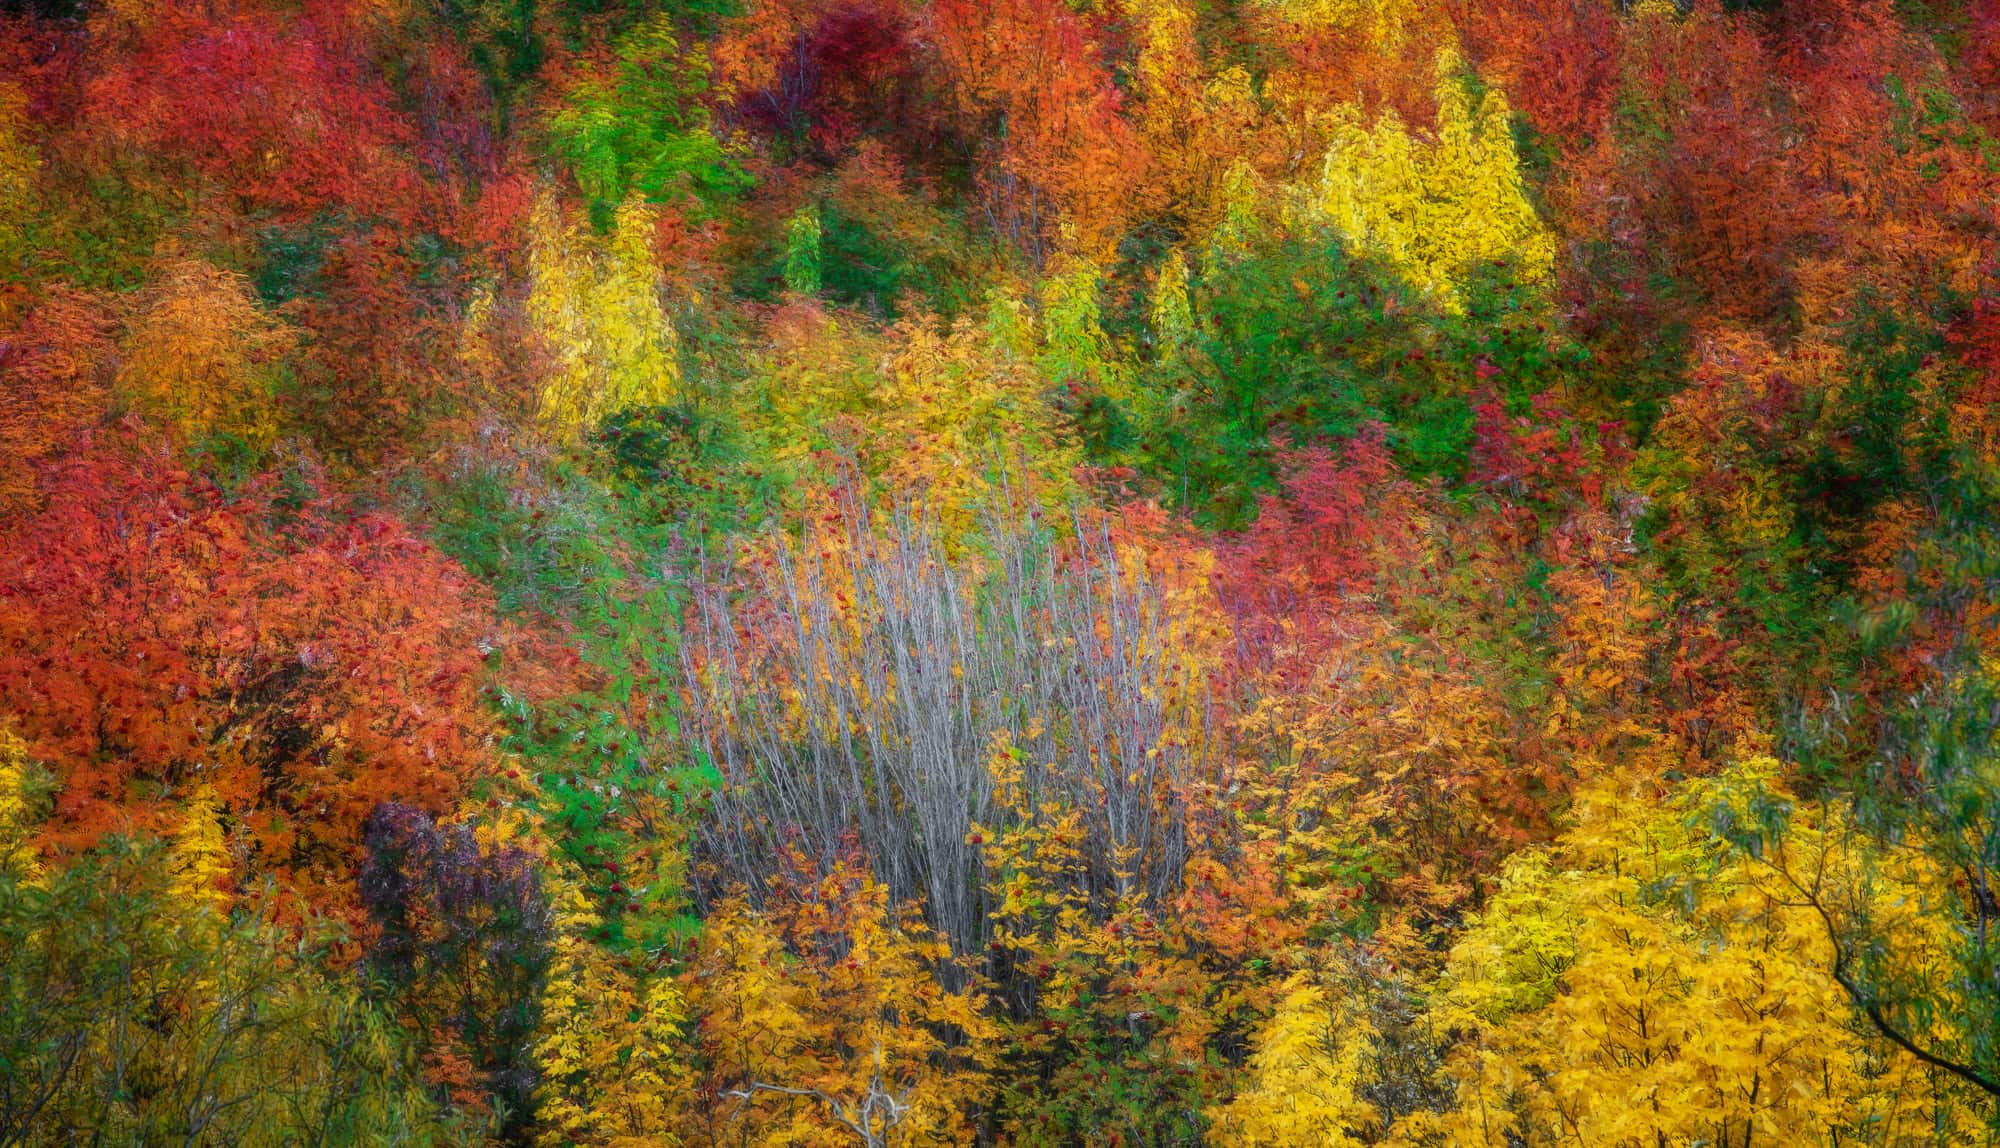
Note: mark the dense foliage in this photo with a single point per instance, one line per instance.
(1000, 572)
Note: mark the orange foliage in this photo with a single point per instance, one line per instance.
(1557, 60)
(1068, 154)
(1713, 193)
(56, 358)
(306, 662)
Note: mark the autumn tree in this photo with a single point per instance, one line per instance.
(597, 305)
(639, 125)
(304, 662)
(204, 357)
(1647, 959)
(136, 1012)
(1303, 1076)
(20, 162)
(60, 358)
(1069, 155)
(612, 1049)
(1429, 208)
(826, 1022)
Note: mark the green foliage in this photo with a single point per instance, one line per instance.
(1883, 433)
(879, 249)
(803, 251)
(687, 464)
(129, 1016)
(1937, 792)
(863, 267)
(503, 38)
(552, 549)
(643, 127)
(97, 229)
(290, 260)
(1297, 340)
(591, 543)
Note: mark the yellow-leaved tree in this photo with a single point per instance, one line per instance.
(608, 1050)
(1646, 981)
(1172, 312)
(18, 856)
(201, 855)
(1075, 350)
(1301, 1088)
(596, 303)
(1429, 208)
(827, 1025)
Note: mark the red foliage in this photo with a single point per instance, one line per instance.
(1980, 62)
(1976, 338)
(837, 71)
(454, 114)
(270, 109)
(47, 65)
(1717, 196)
(1557, 60)
(1316, 545)
(57, 361)
(1539, 457)
(307, 661)
(1701, 173)
(864, 61)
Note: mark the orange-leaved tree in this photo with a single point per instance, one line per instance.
(303, 660)
(825, 1022)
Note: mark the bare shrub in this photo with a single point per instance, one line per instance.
(851, 684)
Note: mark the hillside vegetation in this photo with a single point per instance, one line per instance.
(886, 573)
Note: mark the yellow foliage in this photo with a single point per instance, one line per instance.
(949, 402)
(1311, 795)
(19, 162)
(1310, 1058)
(1383, 22)
(1238, 212)
(1036, 872)
(203, 356)
(200, 855)
(18, 856)
(1173, 314)
(1196, 124)
(933, 413)
(1644, 983)
(597, 304)
(475, 352)
(844, 1037)
(1430, 208)
(1075, 349)
(607, 1051)
(117, 20)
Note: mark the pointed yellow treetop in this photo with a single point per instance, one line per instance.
(1430, 208)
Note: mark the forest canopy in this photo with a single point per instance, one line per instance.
(1024, 573)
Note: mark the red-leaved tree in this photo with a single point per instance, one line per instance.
(307, 661)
